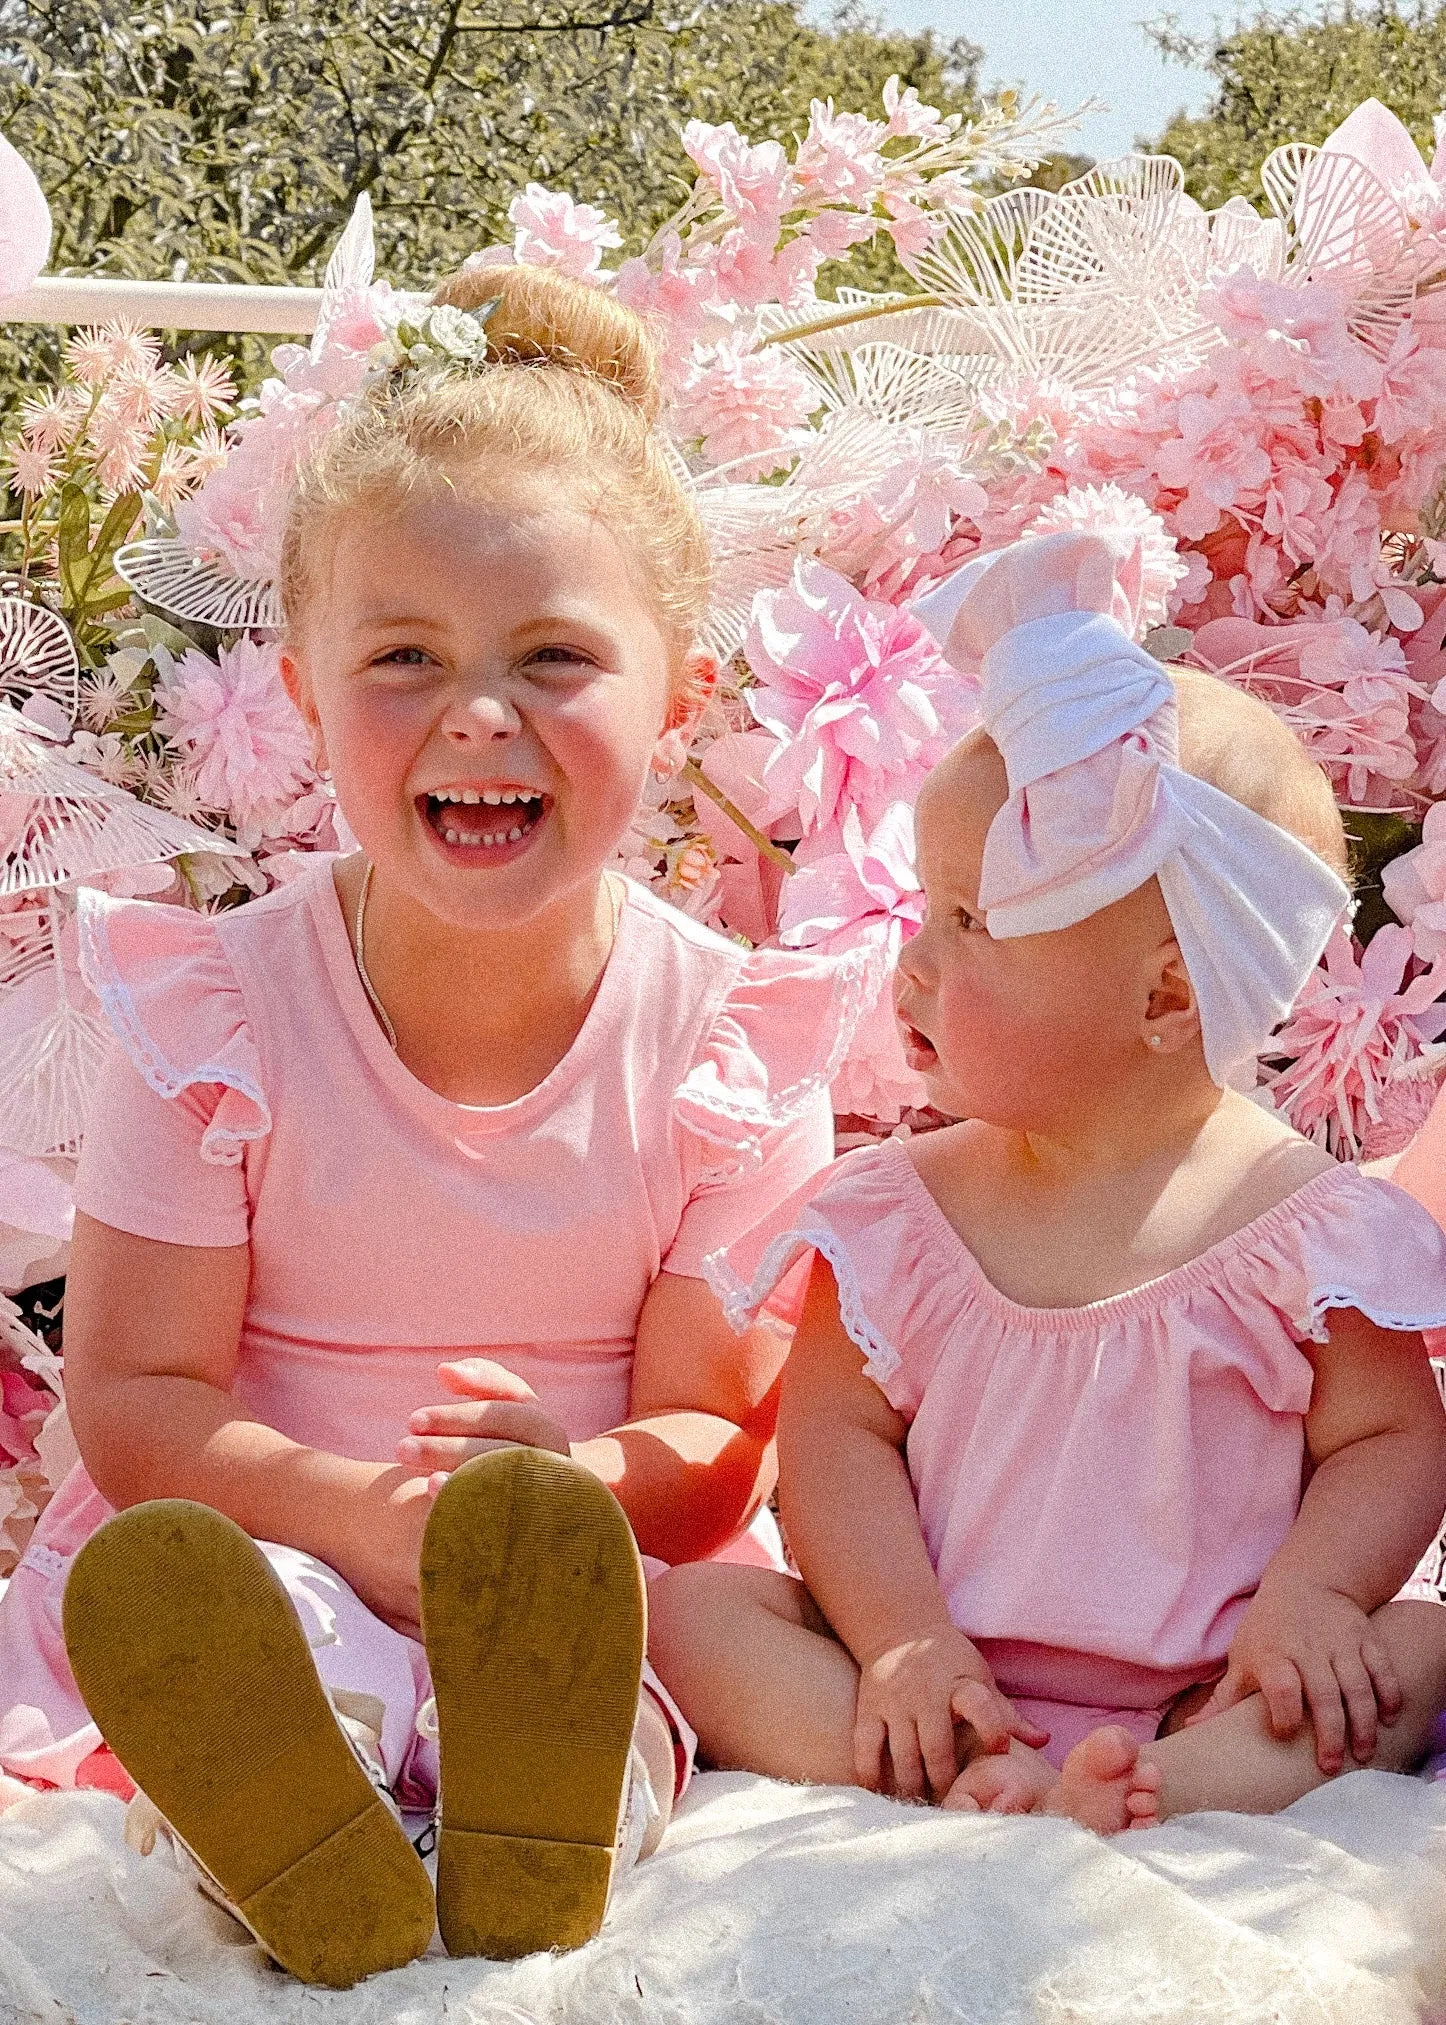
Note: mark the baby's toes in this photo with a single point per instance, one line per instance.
(1100, 1777)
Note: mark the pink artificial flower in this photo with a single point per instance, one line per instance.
(1415, 887)
(748, 408)
(32, 468)
(1405, 1104)
(855, 691)
(838, 159)
(678, 294)
(755, 183)
(1357, 1024)
(914, 231)
(1091, 509)
(1213, 460)
(54, 418)
(850, 890)
(910, 118)
(249, 751)
(832, 233)
(551, 230)
(207, 391)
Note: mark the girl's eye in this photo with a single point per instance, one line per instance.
(560, 656)
(403, 657)
(969, 923)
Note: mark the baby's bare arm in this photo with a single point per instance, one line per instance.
(1376, 1434)
(152, 1333)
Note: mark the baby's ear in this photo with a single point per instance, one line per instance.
(1172, 1014)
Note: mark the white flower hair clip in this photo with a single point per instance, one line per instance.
(432, 339)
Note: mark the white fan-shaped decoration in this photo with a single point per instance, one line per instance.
(754, 533)
(37, 655)
(58, 822)
(906, 389)
(350, 269)
(1081, 285)
(1240, 237)
(48, 1066)
(1343, 225)
(178, 580)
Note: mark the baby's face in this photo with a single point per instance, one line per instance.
(490, 685)
(1012, 1031)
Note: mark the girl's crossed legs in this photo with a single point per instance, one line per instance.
(768, 1687)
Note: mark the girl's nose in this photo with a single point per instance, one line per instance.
(481, 717)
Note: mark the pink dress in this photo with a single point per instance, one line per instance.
(253, 1099)
(1100, 1488)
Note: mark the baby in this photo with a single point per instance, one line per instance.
(1065, 1366)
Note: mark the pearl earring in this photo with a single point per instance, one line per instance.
(1154, 1040)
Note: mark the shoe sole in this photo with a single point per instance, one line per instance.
(534, 1613)
(190, 1656)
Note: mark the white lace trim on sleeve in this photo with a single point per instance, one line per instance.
(222, 1144)
(1407, 1320)
(712, 1107)
(743, 1301)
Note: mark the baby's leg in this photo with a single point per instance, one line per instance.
(1234, 1762)
(756, 1670)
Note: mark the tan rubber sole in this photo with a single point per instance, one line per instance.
(192, 1661)
(534, 1613)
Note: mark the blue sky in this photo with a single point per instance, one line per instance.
(1076, 49)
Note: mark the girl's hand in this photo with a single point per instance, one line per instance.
(381, 1559)
(493, 1409)
(1299, 1646)
(910, 1698)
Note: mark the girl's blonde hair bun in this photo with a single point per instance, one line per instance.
(546, 318)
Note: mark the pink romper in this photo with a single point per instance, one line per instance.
(1100, 1488)
(254, 1100)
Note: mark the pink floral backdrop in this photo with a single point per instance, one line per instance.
(1261, 391)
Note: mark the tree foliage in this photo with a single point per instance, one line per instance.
(229, 139)
(1293, 76)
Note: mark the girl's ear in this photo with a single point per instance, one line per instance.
(1172, 1016)
(298, 687)
(691, 696)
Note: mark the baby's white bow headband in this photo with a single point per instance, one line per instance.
(1086, 723)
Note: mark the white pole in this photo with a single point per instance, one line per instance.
(165, 305)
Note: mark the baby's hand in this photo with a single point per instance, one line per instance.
(493, 1409)
(910, 1698)
(1302, 1645)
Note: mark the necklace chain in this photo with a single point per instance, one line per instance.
(361, 961)
(615, 898)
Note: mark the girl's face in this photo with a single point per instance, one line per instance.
(489, 686)
(1018, 1032)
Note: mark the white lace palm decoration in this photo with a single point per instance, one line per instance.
(58, 822)
(185, 583)
(37, 655)
(1343, 225)
(1081, 285)
(48, 1063)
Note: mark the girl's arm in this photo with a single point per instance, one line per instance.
(1376, 1436)
(151, 1338)
(693, 1461)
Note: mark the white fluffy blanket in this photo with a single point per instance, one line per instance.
(815, 1907)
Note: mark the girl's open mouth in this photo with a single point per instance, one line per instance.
(479, 825)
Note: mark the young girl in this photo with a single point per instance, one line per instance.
(1060, 1366)
(419, 1155)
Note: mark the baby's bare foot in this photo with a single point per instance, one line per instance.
(1106, 1785)
(1016, 1781)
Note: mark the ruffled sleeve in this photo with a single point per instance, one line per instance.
(181, 1095)
(1347, 1240)
(173, 1003)
(894, 1301)
(753, 1107)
